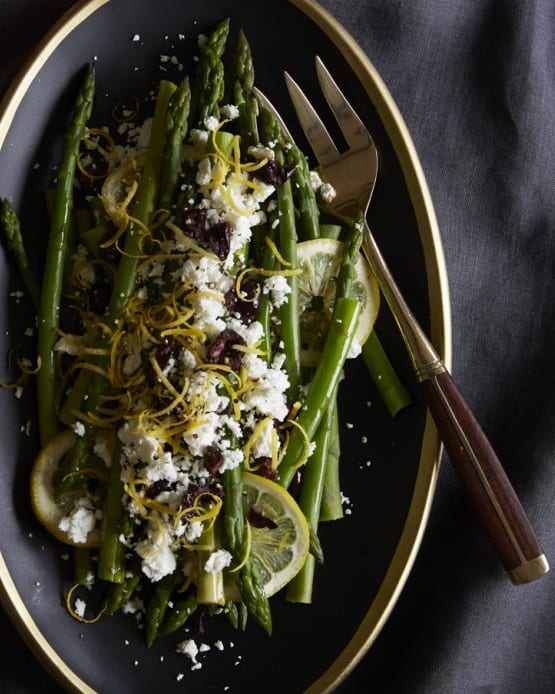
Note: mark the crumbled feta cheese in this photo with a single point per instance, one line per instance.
(232, 459)
(138, 444)
(161, 468)
(204, 172)
(156, 553)
(268, 393)
(102, 450)
(193, 531)
(278, 288)
(199, 137)
(315, 180)
(80, 521)
(327, 192)
(260, 152)
(133, 606)
(262, 446)
(78, 428)
(211, 123)
(188, 648)
(80, 606)
(204, 434)
(354, 350)
(217, 561)
(230, 111)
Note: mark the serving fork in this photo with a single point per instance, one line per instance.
(353, 175)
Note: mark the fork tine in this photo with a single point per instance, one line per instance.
(353, 129)
(316, 133)
(268, 105)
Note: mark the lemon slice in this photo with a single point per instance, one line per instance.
(280, 551)
(43, 499)
(319, 260)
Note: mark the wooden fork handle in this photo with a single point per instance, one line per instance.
(487, 485)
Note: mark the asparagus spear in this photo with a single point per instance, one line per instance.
(49, 310)
(300, 588)
(257, 603)
(208, 86)
(178, 615)
(248, 578)
(120, 593)
(243, 91)
(392, 390)
(157, 607)
(111, 558)
(303, 194)
(147, 200)
(331, 507)
(287, 244)
(83, 567)
(12, 233)
(210, 585)
(264, 315)
(322, 388)
(177, 120)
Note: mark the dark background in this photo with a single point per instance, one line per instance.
(475, 82)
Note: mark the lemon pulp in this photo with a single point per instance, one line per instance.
(280, 551)
(42, 490)
(320, 260)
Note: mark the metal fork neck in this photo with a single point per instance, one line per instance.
(425, 358)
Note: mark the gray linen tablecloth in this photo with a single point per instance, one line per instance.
(475, 82)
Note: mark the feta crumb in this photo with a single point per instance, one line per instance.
(102, 450)
(80, 607)
(78, 428)
(133, 606)
(260, 152)
(211, 123)
(327, 192)
(315, 180)
(188, 648)
(156, 553)
(80, 521)
(199, 137)
(204, 172)
(230, 111)
(218, 560)
(278, 288)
